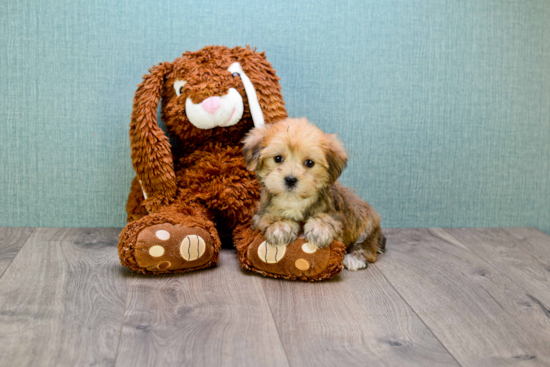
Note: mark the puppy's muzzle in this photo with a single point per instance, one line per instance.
(290, 181)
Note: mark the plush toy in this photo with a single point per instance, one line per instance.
(188, 197)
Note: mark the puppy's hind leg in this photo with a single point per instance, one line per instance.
(365, 250)
(371, 246)
(355, 260)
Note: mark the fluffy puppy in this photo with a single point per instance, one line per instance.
(297, 166)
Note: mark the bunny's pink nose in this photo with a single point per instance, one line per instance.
(211, 104)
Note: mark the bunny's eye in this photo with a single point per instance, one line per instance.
(178, 86)
(309, 163)
(235, 75)
(278, 159)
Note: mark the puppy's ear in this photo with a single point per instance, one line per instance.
(253, 144)
(337, 157)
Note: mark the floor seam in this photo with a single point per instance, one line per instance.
(274, 323)
(33, 229)
(123, 319)
(417, 315)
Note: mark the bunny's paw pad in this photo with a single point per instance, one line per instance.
(299, 260)
(167, 247)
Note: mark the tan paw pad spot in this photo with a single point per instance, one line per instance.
(192, 247)
(271, 254)
(162, 235)
(164, 265)
(156, 251)
(302, 264)
(308, 248)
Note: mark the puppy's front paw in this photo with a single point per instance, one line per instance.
(321, 229)
(318, 234)
(281, 233)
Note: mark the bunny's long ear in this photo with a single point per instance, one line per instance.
(261, 86)
(151, 153)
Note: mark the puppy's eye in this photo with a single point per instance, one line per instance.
(235, 75)
(278, 159)
(309, 163)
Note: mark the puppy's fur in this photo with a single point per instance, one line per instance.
(297, 165)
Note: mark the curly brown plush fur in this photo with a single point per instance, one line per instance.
(202, 181)
(206, 74)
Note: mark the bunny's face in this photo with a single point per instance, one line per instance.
(219, 92)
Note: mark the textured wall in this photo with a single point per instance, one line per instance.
(444, 105)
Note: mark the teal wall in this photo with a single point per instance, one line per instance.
(443, 105)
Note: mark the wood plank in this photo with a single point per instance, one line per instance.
(357, 319)
(513, 257)
(479, 315)
(11, 241)
(62, 300)
(532, 240)
(213, 317)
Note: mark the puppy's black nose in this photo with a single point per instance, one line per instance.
(291, 181)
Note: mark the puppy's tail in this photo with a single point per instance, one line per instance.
(381, 243)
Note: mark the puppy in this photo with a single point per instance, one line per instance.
(297, 166)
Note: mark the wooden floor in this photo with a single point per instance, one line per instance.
(469, 297)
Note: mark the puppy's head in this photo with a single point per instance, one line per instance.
(294, 157)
